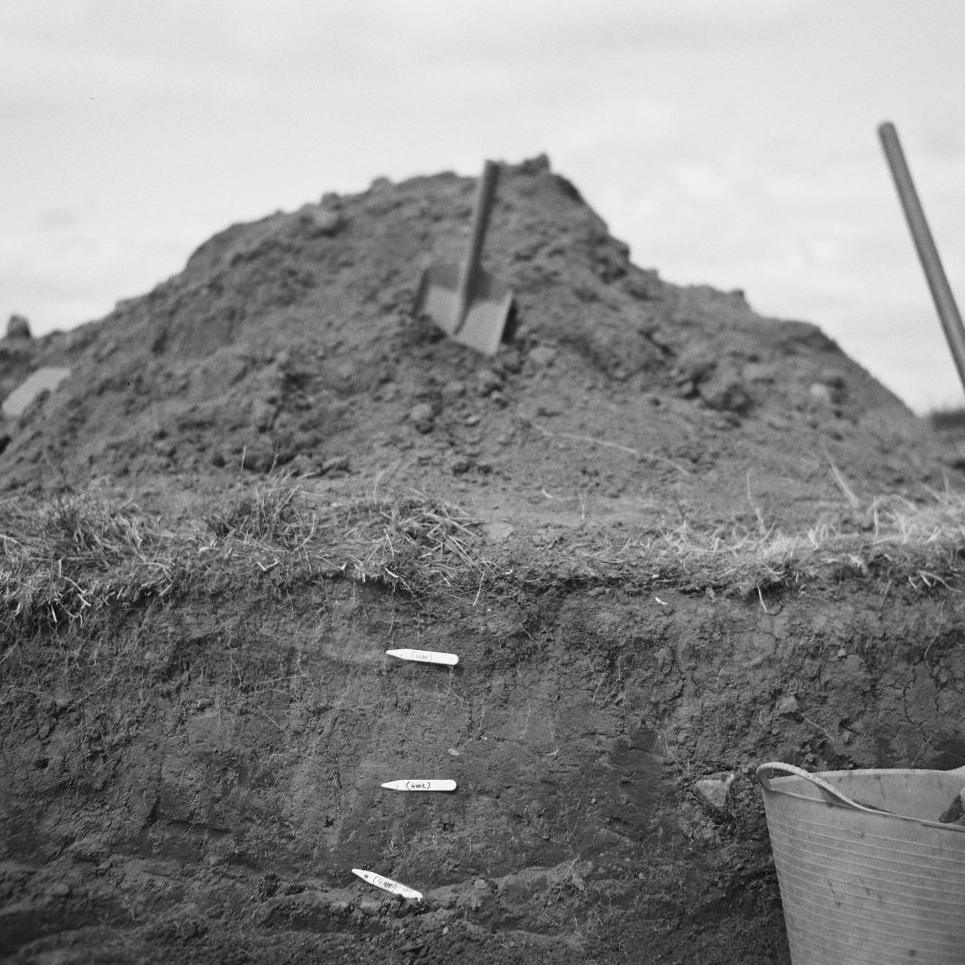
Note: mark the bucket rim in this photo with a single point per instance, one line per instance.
(836, 798)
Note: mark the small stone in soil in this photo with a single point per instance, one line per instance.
(714, 789)
(488, 382)
(421, 417)
(542, 355)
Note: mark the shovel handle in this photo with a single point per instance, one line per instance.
(485, 195)
(931, 263)
(469, 275)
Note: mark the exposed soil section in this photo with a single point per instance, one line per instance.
(668, 539)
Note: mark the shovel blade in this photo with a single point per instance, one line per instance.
(487, 312)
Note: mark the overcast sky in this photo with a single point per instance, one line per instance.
(730, 142)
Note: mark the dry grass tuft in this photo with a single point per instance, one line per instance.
(273, 513)
(920, 542)
(66, 557)
(418, 544)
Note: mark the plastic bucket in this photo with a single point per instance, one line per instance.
(878, 881)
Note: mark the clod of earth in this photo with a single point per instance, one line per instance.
(667, 538)
(18, 327)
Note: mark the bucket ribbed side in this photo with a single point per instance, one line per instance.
(866, 888)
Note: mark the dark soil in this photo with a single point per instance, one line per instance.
(298, 474)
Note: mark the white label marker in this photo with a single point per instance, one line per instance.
(425, 785)
(387, 884)
(425, 656)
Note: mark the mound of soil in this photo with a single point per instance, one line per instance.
(291, 343)
(653, 527)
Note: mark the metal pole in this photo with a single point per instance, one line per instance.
(941, 291)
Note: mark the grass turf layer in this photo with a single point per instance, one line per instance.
(68, 558)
